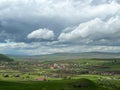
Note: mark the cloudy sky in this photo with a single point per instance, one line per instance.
(33, 27)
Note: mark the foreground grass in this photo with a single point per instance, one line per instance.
(46, 85)
(62, 84)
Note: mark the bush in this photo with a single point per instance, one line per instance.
(83, 83)
(16, 75)
(5, 75)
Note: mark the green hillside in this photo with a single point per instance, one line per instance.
(68, 56)
(5, 58)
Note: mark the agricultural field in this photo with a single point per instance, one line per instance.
(70, 74)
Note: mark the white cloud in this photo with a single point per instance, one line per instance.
(12, 45)
(71, 10)
(45, 34)
(94, 32)
(39, 48)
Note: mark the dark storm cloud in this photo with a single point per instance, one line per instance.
(17, 30)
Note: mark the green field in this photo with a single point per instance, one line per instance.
(70, 74)
(60, 84)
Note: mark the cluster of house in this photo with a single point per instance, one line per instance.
(64, 66)
(105, 72)
(58, 66)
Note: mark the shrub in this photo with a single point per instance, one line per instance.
(83, 83)
(5, 75)
(16, 75)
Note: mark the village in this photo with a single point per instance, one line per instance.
(66, 69)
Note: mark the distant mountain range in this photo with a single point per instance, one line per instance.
(67, 56)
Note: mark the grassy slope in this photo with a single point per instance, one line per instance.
(48, 85)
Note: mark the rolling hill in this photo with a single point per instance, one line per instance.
(68, 56)
(5, 58)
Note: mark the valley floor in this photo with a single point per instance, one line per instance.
(77, 74)
(81, 82)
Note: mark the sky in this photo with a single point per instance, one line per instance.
(37, 27)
